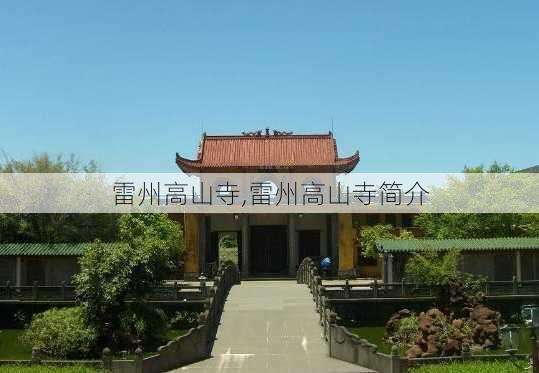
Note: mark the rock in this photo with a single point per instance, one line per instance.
(414, 352)
(458, 323)
(404, 313)
(432, 346)
(421, 343)
(452, 347)
(435, 313)
(425, 324)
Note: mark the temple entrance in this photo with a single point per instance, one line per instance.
(268, 249)
(224, 246)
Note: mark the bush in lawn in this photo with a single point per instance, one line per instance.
(61, 333)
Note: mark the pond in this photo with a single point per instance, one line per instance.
(375, 335)
(12, 349)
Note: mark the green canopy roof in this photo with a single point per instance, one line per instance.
(473, 244)
(45, 249)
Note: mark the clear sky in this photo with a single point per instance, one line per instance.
(415, 86)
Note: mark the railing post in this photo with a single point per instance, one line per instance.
(107, 359)
(34, 290)
(203, 288)
(487, 287)
(139, 357)
(395, 360)
(535, 352)
(515, 285)
(63, 290)
(466, 352)
(8, 289)
(403, 287)
(36, 355)
(375, 288)
(346, 289)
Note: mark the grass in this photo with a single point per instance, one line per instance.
(46, 369)
(10, 346)
(175, 333)
(12, 349)
(470, 367)
(373, 334)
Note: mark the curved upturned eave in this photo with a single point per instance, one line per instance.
(187, 165)
(347, 164)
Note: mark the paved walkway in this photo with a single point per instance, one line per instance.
(270, 326)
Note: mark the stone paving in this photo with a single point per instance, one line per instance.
(270, 326)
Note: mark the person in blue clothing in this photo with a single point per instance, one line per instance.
(325, 266)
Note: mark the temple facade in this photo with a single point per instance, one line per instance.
(269, 244)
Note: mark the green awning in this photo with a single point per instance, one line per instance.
(473, 244)
(45, 249)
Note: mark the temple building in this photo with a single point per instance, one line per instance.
(269, 244)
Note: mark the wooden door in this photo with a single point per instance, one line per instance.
(268, 249)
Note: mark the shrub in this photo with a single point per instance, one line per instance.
(407, 332)
(369, 235)
(184, 320)
(61, 333)
(141, 322)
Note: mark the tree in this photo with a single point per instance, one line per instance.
(369, 235)
(149, 246)
(439, 270)
(54, 228)
(479, 225)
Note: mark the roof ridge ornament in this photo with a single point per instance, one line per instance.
(258, 133)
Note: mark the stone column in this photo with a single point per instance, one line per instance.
(389, 268)
(398, 220)
(191, 232)
(347, 252)
(519, 266)
(292, 247)
(334, 247)
(18, 272)
(245, 245)
(202, 235)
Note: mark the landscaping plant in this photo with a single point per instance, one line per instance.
(61, 333)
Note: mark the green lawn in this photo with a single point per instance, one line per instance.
(471, 367)
(12, 349)
(46, 369)
(373, 334)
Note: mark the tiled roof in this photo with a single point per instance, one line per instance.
(305, 152)
(45, 249)
(474, 244)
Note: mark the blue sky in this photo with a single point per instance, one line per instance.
(416, 86)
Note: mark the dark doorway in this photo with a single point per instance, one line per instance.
(268, 249)
(308, 243)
